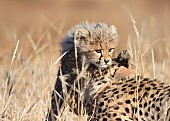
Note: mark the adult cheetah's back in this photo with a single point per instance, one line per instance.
(143, 99)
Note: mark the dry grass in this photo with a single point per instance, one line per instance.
(28, 67)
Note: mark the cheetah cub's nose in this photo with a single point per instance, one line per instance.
(106, 61)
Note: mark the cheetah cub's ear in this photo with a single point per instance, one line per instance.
(114, 31)
(81, 37)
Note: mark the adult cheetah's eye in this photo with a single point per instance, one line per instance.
(111, 49)
(98, 51)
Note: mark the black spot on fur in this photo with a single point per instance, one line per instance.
(124, 85)
(153, 105)
(116, 92)
(127, 110)
(153, 117)
(140, 112)
(140, 105)
(130, 85)
(152, 95)
(123, 89)
(114, 114)
(158, 109)
(131, 92)
(141, 85)
(134, 100)
(153, 84)
(133, 88)
(119, 103)
(104, 119)
(118, 119)
(147, 88)
(101, 104)
(128, 101)
(119, 96)
(100, 110)
(149, 109)
(114, 89)
(116, 108)
(145, 105)
(108, 115)
(146, 114)
(106, 98)
(105, 72)
(123, 114)
(139, 89)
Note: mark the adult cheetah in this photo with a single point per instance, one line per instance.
(87, 46)
(129, 98)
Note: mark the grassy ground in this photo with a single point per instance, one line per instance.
(30, 32)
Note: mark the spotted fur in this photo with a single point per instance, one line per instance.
(131, 99)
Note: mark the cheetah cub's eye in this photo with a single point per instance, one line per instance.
(98, 51)
(111, 49)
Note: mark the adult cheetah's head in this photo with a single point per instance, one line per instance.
(94, 41)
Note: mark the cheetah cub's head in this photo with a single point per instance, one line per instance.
(97, 43)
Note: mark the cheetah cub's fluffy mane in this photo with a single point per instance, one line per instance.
(92, 33)
(93, 42)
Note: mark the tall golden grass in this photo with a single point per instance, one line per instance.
(30, 33)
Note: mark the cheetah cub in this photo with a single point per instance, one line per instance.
(86, 46)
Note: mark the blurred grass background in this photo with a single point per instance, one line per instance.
(39, 25)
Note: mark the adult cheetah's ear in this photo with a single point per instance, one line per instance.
(81, 36)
